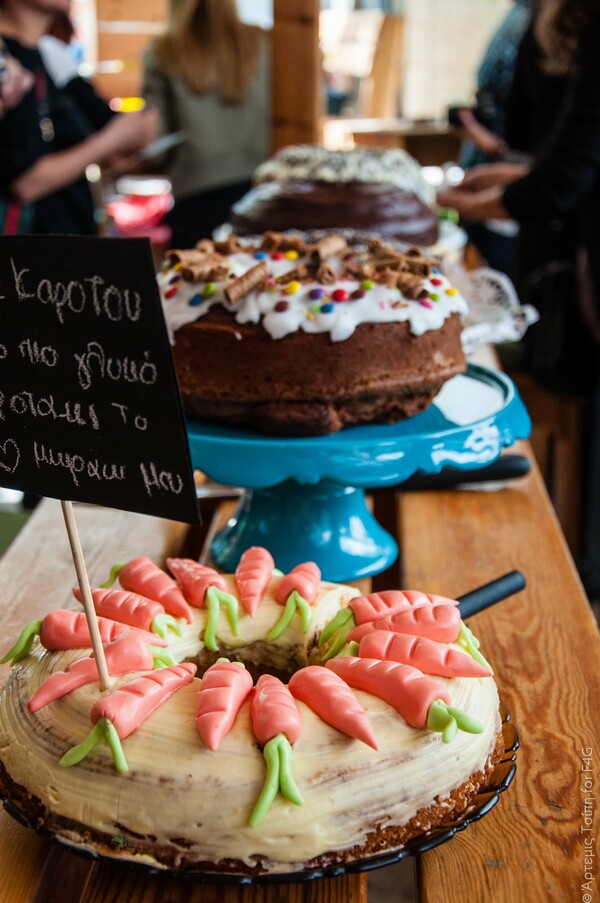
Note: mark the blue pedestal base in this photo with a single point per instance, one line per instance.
(304, 498)
(327, 523)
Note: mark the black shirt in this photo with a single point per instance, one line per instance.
(557, 120)
(50, 119)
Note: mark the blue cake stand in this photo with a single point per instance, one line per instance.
(305, 498)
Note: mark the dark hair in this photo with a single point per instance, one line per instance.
(559, 25)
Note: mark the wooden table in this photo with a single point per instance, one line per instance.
(543, 644)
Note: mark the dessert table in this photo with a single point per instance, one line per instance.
(543, 644)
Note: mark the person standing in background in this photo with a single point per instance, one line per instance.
(482, 129)
(56, 130)
(209, 77)
(554, 115)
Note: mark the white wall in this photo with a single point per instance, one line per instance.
(445, 40)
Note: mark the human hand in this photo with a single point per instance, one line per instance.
(485, 140)
(131, 132)
(474, 206)
(15, 83)
(488, 175)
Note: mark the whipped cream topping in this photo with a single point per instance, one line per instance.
(393, 166)
(181, 795)
(283, 308)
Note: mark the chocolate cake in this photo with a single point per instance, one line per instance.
(306, 187)
(295, 338)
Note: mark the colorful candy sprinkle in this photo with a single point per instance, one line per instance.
(277, 255)
(434, 296)
(171, 291)
(291, 255)
(340, 294)
(208, 290)
(425, 302)
(315, 294)
(357, 294)
(195, 300)
(174, 279)
(367, 284)
(292, 287)
(260, 255)
(436, 281)
(315, 307)
(281, 306)
(327, 308)
(452, 291)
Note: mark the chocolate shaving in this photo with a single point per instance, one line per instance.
(244, 284)
(410, 285)
(292, 243)
(325, 275)
(271, 241)
(360, 271)
(392, 263)
(209, 271)
(388, 277)
(185, 258)
(229, 246)
(206, 245)
(419, 265)
(330, 246)
(298, 273)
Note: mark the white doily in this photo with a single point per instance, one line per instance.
(495, 312)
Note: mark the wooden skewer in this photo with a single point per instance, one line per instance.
(86, 594)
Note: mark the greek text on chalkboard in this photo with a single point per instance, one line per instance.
(89, 406)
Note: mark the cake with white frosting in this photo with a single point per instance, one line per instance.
(369, 189)
(298, 338)
(229, 769)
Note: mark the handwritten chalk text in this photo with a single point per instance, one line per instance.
(75, 297)
(95, 362)
(161, 480)
(77, 465)
(28, 404)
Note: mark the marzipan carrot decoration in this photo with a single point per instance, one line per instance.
(441, 623)
(129, 608)
(366, 609)
(422, 701)
(252, 576)
(129, 652)
(426, 655)
(64, 629)
(333, 701)
(120, 713)
(224, 689)
(297, 591)
(203, 587)
(142, 576)
(277, 725)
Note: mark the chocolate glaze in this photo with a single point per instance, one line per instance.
(304, 205)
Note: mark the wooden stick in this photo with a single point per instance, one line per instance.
(86, 594)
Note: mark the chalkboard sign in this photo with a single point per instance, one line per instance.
(89, 405)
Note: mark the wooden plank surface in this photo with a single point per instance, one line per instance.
(545, 648)
(36, 574)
